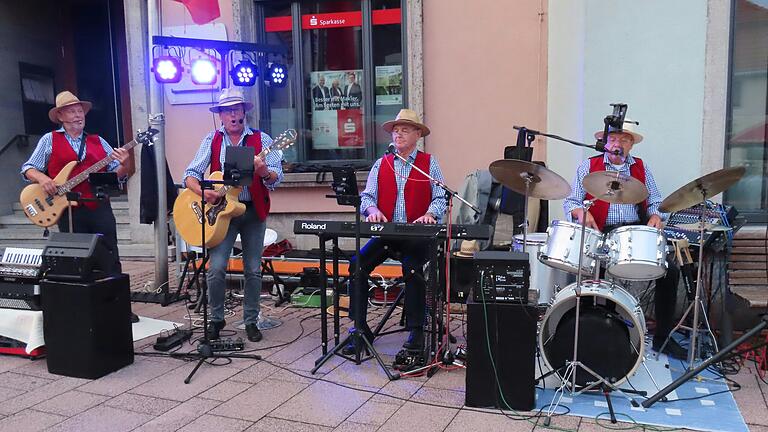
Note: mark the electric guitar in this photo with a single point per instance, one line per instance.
(188, 213)
(45, 210)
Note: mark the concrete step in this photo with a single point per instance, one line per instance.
(32, 233)
(19, 219)
(120, 202)
(127, 250)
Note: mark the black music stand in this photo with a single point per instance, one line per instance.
(345, 186)
(238, 171)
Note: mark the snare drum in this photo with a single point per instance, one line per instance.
(545, 281)
(637, 252)
(562, 249)
(611, 331)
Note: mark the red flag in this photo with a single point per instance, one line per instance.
(202, 11)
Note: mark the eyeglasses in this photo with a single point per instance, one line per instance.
(404, 131)
(621, 139)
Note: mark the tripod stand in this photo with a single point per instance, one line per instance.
(204, 350)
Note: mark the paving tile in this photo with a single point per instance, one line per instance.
(255, 373)
(102, 418)
(307, 361)
(17, 381)
(304, 406)
(271, 424)
(141, 404)
(179, 416)
(37, 368)
(259, 400)
(398, 392)
(7, 393)
(368, 373)
(590, 425)
(225, 390)
(207, 423)
(486, 421)
(70, 403)
(11, 363)
(373, 413)
(171, 385)
(440, 396)
(120, 381)
(29, 421)
(296, 376)
(448, 379)
(355, 427)
(32, 398)
(294, 351)
(413, 416)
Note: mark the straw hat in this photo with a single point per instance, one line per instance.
(228, 97)
(468, 249)
(629, 128)
(65, 99)
(409, 117)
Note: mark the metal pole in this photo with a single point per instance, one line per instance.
(157, 121)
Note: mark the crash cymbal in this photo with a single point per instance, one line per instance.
(544, 183)
(702, 188)
(615, 188)
(709, 227)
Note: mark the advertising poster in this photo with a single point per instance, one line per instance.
(336, 105)
(389, 85)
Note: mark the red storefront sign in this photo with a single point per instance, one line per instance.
(332, 20)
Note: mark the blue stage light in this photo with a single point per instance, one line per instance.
(277, 75)
(167, 69)
(244, 73)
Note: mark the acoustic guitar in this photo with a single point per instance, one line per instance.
(188, 213)
(45, 210)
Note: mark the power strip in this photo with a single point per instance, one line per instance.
(227, 344)
(165, 343)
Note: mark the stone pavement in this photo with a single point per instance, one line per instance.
(276, 394)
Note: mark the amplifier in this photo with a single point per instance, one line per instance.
(76, 257)
(501, 277)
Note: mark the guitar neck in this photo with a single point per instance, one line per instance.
(76, 180)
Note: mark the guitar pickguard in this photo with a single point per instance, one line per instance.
(213, 213)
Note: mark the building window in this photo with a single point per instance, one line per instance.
(346, 77)
(747, 129)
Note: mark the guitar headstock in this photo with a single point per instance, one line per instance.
(284, 140)
(146, 137)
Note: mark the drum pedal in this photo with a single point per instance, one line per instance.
(407, 360)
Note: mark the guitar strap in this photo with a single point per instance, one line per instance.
(82, 147)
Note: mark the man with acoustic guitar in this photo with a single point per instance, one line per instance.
(70, 143)
(252, 224)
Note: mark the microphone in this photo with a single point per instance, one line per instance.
(600, 146)
(391, 149)
(240, 121)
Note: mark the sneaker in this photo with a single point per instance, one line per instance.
(415, 340)
(253, 332)
(672, 349)
(214, 328)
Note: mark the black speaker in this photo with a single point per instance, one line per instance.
(511, 329)
(77, 257)
(87, 326)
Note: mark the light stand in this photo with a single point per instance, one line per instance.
(346, 195)
(235, 176)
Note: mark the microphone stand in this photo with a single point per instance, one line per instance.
(449, 194)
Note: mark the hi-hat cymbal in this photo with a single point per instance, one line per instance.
(701, 189)
(614, 187)
(544, 183)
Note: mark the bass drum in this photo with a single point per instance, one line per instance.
(611, 332)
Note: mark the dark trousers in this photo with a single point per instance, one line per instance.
(412, 255)
(665, 302)
(100, 220)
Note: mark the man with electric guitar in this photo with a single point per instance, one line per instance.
(251, 224)
(53, 155)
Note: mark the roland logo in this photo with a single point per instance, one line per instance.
(313, 226)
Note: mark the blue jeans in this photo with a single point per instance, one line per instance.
(251, 231)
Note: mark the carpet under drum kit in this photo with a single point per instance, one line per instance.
(592, 335)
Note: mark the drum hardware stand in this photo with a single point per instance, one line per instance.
(570, 370)
(698, 302)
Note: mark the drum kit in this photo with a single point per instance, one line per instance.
(611, 319)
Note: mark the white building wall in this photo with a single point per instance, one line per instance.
(650, 55)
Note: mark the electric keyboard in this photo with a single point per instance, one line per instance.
(391, 230)
(690, 218)
(20, 278)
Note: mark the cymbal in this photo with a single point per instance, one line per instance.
(615, 188)
(702, 188)
(544, 183)
(708, 226)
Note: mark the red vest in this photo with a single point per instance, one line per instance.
(599, 209)
(62, 153)
(418, 188)
(259, 192)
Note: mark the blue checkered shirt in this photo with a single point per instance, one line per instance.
(202, 159)
(617, 213)
(42, 154)
(370, 196)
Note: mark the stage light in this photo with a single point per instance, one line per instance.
(277, 74)
(244, 73)
(167, 69)
(203, 72)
